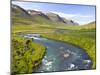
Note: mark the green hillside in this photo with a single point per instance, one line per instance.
(89, 26)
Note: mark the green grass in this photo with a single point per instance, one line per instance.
(26, 55)
(83, 39)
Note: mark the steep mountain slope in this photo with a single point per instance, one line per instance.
(18, 11)
(54, 17)
(37, 13)
(21, 15)
(69, 22)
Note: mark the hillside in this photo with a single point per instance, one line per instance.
(91, 25)
(39, 17)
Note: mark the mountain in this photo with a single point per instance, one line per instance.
(39, 17)
(37, 13)
(17, 10)
(69, 22)
(54, 17)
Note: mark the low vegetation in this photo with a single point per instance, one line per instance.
(26, 55)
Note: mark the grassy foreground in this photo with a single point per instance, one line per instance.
(26, 55)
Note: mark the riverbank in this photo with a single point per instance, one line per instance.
(58, 51)
(26, 54)
(87, 43)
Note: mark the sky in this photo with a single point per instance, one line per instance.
(81, 14)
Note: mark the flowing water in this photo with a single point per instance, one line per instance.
(61, 56)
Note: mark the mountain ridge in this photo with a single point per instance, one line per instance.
(51, 17)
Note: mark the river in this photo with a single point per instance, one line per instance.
(61, 56)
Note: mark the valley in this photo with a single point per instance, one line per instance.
(59, 31)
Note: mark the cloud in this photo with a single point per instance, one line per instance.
(26, 5)
(72, 15)
(82, 19)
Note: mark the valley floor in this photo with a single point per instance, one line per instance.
(83, 38)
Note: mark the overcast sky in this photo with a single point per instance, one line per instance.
(79, 13)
